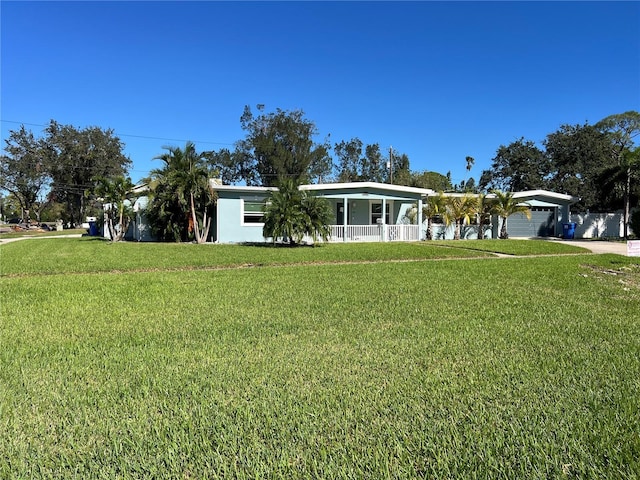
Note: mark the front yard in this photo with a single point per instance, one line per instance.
(171, 361)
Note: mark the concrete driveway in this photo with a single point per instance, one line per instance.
(599, 246)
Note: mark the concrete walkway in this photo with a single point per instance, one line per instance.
(35, 237)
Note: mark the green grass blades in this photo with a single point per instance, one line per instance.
(503, 368)
(90, 255)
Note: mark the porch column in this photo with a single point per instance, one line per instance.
(419, 220)
(345, 213)
(384, 216)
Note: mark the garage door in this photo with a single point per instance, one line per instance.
(542, 223)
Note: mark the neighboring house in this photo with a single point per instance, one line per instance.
(364, 212)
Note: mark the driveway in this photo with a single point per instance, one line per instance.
(598, 246)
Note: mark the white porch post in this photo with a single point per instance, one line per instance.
(384, 217)
(345, 212)
(419, 220)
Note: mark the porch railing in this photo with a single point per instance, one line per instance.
(374, 233)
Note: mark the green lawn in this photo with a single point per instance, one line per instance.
(164, 367)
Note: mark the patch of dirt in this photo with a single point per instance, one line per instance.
(627, 276)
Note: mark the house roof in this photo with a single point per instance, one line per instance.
(367, 185)
(543, 195)
(546, 195)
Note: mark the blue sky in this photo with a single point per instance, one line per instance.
(435, 80)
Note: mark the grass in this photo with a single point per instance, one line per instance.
(39, 234)
(91, 254)
(478, 368)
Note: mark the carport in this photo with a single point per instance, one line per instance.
(548, 211)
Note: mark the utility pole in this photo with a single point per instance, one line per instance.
(390, 164)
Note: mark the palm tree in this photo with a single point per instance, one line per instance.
(317, 217)
(505, 206)
(291, 214)
(118, 193)
(458, 210)
(433, 207)
(181, 191)
(283, 216)
(484, 210)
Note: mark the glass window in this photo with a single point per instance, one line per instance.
(376, 213)
(253, 212)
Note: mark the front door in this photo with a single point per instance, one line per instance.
(340, 213)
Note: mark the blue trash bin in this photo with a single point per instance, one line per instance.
(93, 229)
(568, 230)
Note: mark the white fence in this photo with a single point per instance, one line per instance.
(375, 233)
(598, 225)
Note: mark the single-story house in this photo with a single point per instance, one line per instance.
(376, 212)
(365, 212)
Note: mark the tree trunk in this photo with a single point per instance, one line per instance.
(503, 231)
(429, 229)
(627, 191)
(456, 235)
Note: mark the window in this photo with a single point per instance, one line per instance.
(376, 213)
(253, 212)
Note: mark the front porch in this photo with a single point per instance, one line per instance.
(367, 212)
(375, 233)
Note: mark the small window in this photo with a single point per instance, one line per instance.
(376, 213)
(253, 212)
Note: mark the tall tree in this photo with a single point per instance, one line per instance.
(349, 160)
(280, 145)
(516, 167)
(24, 171)
(76, 157)
(579, 154)
(401, 169)
(504, 206)
(230, 167)
(433, 180)
(622, 129)
(117, 197)
(181, 196)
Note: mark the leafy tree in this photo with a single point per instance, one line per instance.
(117, 196)
(230, 167)
(349, 158)
(505, 206)
(401, 171)
(280, 145)
(433, 180)
(579, 155)
(354, 166)
(458, 210)
(181, 196)
(24, 172)
(75, 158)
(518, 166)
(291, 214)
(622, 128)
